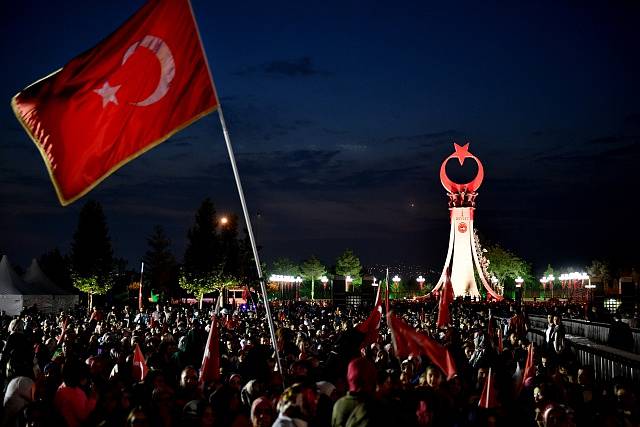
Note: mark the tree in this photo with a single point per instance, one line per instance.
(503, 264)
(348, 264)
(312, 269)
(205, 283)
(230, 247)
(56, 267)
(599, 271)
(91, 252)
(160, 265)
(202, 255)
(285, 267)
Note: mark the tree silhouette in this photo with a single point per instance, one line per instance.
(161, 273)
(57, 268)
(91, 257)
(348, 264)
(202, 254)
(312, 269)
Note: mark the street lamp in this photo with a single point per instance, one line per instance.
(375, 283)
(551, 278)
(396, 281)
(420, 281)
(544, 281)
(347, 280)
(324, 281)
(519, 282)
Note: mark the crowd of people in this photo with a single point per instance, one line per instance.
(77, 369)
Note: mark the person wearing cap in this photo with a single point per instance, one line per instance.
(359, 407)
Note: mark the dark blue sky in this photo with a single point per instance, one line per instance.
(341, 115)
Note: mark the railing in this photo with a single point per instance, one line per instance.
(607, 362)
(594, 331)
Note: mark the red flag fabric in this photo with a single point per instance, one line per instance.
(446, 297)
(529, 370)
(488, 397)
(371, 325)
(407, 341)
(140, 369)
(210, 370)
(133, 90)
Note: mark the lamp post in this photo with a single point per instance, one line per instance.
(519, 282)
(347, 281)
(551, 278)
(589, 286)
(324, 281)
(396, 282)
(544, 281)
(420, 281)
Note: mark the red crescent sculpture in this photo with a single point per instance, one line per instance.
(461, 153)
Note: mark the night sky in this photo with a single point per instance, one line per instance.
(341, 114)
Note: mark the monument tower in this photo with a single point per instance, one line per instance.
(464, 255)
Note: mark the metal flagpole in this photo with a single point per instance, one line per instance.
(245, 211)
(140, 288)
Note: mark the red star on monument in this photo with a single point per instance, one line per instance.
(462, 152)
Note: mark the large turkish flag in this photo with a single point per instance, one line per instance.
(136, 88)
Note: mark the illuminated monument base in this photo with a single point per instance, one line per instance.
(464, 256)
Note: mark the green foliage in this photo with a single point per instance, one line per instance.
(312, 269)
(200, 285)
(91, 285)
(348, 264)
(506, 266)
(599, 271)
(161, 271)
(285, 267)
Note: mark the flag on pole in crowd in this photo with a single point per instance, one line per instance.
(488, 398)
(140, 288)
(210, 370)
(140, 369)
(529, 369)
(446, 298)
(386, 283)
(371, 325)
(407, 341)
(133, 90)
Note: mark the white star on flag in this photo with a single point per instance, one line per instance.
(108, 93)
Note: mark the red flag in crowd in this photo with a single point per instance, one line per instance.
(488, 397)
(406, 341)
(210, 370)
(529, 369)
(371, 325)
(140, 369)
(133, 90)
(446, 298)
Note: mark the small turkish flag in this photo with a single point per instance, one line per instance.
(446, 298)
(210, 370)
(136, 88)
(488, 398)
(140, 369)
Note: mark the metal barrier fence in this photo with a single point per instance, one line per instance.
(594, 331)
(607, 362)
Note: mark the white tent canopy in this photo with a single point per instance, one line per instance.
(61, 299)
(17, 294)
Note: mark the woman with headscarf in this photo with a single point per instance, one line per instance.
(297, 405)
